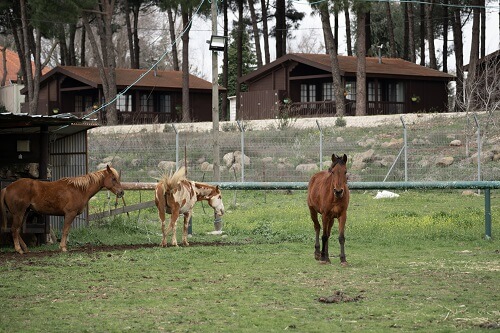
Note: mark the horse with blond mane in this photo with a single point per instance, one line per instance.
(328, 195)
(64, 197)
(176, 195)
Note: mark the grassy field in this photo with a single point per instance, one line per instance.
(416, 263)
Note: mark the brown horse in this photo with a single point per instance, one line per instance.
(177, 195)
(64, 197)
(328, 195)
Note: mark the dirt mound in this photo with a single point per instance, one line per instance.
(340, 297)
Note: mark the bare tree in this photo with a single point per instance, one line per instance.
(429, 28)
(256, 34)
(104, 55)
(338, 87)
(361, 67)
(264, 5)
(390, 31)
(411, 34)
(348, 27)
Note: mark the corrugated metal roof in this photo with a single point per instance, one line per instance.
(58, 125)
(348, 65)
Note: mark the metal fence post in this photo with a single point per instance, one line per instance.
(487, 213)
(478, 148)
(320, 146)
(177, 148)
(242, 130)
(405, 143)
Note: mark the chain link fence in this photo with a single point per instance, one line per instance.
(443, 148)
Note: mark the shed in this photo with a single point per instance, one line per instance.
(45, 148)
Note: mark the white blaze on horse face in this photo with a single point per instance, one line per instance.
(217, 204)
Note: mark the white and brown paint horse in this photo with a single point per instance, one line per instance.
(64, 197)
(176, 195)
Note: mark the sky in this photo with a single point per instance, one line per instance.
(201, 32)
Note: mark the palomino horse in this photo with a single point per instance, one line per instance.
(64, 197)
(177, 195)
(328, 195)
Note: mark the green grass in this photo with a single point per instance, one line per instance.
(416, 263)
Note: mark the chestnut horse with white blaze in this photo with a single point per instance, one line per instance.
(177, 195)
(328, 195)
(64, 197)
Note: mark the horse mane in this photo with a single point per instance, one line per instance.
(169, 180)
(83, 182)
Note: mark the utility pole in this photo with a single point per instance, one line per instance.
(215, 97)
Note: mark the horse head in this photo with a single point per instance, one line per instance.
(112, 181)
(338, 169)
(215, 201)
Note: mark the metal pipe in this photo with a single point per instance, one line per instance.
(176, 148)
(405, 142)
(320, 145)
(242, 130)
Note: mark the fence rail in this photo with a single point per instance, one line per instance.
(480, 185)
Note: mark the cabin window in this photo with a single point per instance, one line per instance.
(350, 90)
(395, 92)
(124, 103)
(328, 94)
(308, 93)
(147, 104)
(374, 92)
(83, 103)
(164, 104)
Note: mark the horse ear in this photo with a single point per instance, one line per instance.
(344, 158)
(108, 168)
(333, 157)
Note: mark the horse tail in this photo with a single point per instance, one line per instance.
(2, 209)
(171, 181)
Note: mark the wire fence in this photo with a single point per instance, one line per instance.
(443, 149)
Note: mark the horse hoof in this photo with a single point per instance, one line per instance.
(324, 262)
(344, 264)
(63, 249)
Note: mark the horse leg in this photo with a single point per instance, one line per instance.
(342, 221)
(187, 216)
(161, 214)
(172, 226)
(327, 227)
(68, 219)
(317, 228)
(17, 223)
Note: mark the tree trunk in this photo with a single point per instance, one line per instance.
(361, 68)
(128, 24)
(445, 35)
(239, 51)
(336, 31)
(83, 49)
(483, 28)
(348, 28)
(411, 34)
(32, 103)
(390, 31)
(171, 29)
(338, 87)
(186, 117)
(256, 35)
(422, 34)
(4, 66)
(474, 47)
(367, 33)
(71, 45)
(280, 28)
(225, 67)
(459, 49)
(105, 60)
(265, 31)
(430, 34)
(406, 31)
(135, 33)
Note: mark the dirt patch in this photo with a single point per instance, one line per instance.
(87, 248)
(340, 297)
